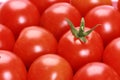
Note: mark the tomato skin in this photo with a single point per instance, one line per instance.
(84, 6)
(33, 42)
(50, 67)
(109, 20)
(54, 18)
(118, 5)
(78, 53)
(112, 53)
(96, 71)
(18, 14)
(11, 67)
(44, 4)
(7, 39)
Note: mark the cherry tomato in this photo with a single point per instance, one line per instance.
(44, 4)
(7, 39)
(84, 6)
(79, 53)
(54, 18)
(11, 67)
(33, 42)
(18, 14)
(96, 71)
(112, 53)
(109, 19)
(50, 67)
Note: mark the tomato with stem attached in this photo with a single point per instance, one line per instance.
(80, 46)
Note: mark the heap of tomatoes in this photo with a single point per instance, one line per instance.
(59, 40)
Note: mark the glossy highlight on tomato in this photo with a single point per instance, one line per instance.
(109, 19)
(11, 67)
(112, 53)
(18, 14)
(96, 71)
(33, 42)
(54, 18)
(50, 67)
(79, 53)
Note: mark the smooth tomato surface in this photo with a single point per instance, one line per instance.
(109, 18)
(33, 42)
(11, 67)
(118, 5)
(7, 39)
(79, 53)
(50, 67)
(18, 14)
(84, 6)
(111, 55)
(96, 71)
(54, 18)
(44, 4)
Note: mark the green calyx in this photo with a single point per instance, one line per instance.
(80, 34)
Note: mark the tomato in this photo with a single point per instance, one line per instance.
(11, 67)
(96, 71)
(18, 14)
(118, 5)
(112, 53)
(3, 1)
(109, 19)
(79, 53)
(44, 4)
(84, 6)
(7, 39)
(33, 42)
(50, 67)
(115, 3)
(54, 18)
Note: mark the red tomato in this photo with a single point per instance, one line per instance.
(44, 4)
(6, 38)
(50, 67)
(96, 71)
(85, 5)
(111, 55)
(33, 42)
(78, 53)
(3, 1)
(54, 18)
(11, 67)
(118, 5)
(18, 14)
(109, 19)
(115, 4)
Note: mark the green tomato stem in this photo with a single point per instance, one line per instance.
(81, 34)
